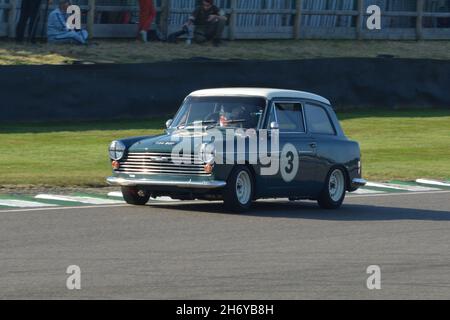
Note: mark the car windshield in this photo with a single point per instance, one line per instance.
(236, 112)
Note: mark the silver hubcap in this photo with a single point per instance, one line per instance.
(141, 193)
(336, 185)
(243, 187)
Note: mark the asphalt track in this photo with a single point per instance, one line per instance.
(279, 250)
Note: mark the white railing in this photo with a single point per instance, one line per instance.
(268, 19)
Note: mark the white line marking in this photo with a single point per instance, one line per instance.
(88, 200)
(118, 194)
(181, 202)
(366, 191)
(400, 186)
(165, 199)
(433, 182)
(63, 208)
(397, 194)
(24, 204)
(198, 202)
(115, 194)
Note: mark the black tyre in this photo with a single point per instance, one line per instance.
(238, 194)
(333, 193)
(135, 196)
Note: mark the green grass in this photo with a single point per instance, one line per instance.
(401, 145)
(130, 51)
(63, 154)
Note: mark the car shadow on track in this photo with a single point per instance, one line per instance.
(306, 210)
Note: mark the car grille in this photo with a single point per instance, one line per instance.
(161, 163)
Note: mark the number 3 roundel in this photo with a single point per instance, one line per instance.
(289, 162)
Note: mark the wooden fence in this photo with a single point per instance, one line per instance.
(267, 19)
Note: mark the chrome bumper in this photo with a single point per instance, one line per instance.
(358, 182)
(212, 184)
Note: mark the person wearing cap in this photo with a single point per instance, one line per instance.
(57, 31)
(209, 23)
(147, 14)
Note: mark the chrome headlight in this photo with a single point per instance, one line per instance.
(207, 153)
(116, 150)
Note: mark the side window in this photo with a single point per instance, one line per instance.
(318, 120)
(289, 117)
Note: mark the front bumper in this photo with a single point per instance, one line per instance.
(358, 183)
(188, 184)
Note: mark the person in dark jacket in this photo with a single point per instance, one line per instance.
(28, 13)
(209, 23)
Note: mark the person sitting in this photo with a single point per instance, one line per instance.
(209, 24)
(57, 31)
(238, 117)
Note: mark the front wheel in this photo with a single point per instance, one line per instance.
(333, 193)
(238, 194)
(135, 196)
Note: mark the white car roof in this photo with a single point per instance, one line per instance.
(259, 92)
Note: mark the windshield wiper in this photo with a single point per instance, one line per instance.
(202, 123)
(227, 122)
(235, 121)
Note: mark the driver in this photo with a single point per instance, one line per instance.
(237, 113)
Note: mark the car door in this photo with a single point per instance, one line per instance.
(328, 146)
(297, 150)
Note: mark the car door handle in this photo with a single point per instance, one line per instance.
(313, 145)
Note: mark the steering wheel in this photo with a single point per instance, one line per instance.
(212, 116)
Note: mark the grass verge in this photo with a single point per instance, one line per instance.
(130, 51)
(402, 145)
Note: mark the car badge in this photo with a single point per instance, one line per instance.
(159, 159)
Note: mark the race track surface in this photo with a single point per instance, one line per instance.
(194, 250)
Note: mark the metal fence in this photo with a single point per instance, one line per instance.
(267, 19)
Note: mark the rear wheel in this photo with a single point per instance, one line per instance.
(333, 193)
(238, 194)
(135, 196)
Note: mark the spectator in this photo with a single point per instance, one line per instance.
(28, 13)
(57, 31)
(147, 14)
(209, 24)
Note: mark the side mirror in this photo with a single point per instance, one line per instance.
(169, 123)
(274, 125)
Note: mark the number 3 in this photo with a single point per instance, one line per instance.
(289, 162)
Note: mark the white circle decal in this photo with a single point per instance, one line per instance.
(289, 162)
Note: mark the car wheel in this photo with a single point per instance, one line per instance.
(238, 194)
(333, 193)
(135, 196)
